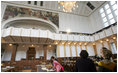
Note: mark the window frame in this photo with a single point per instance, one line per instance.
(107, 15)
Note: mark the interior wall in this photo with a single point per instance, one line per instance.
(95, 19)
(75, 23)
(60, 49)
(22, 50)
(50, 53)
(90, 49)
(7, 53)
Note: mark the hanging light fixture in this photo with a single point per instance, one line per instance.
(68, 6)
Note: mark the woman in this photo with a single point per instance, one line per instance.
(84, 64)
(57, 65)
(106, 65)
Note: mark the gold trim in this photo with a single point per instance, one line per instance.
(58, 50)
(70, 50)
(102, 44)
(76, 50)
(81, 47)
(95, 49)
(64, 51)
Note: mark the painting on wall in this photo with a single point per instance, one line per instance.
(12, 11)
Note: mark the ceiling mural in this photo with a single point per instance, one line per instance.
(12, 12)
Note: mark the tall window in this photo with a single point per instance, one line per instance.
(114, 51)
(109, 13)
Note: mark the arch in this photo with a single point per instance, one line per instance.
(55, 28)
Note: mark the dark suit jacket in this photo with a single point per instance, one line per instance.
(85, 65)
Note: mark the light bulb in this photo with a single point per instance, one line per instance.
(101, 41)
(114, 38)
(62, 43)
(56, 43)
(107, 39)
(50, 46)
(80, 43)
(93, 43)
(10, 44)
(85, 43)
(68, 30)
(32, 45)
(74, 43)
(68, 43)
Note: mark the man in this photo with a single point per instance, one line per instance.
(84, 64)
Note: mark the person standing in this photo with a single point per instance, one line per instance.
(57, 65)
(84, 64)
(106, 65)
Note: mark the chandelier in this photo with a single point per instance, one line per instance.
(68, 6)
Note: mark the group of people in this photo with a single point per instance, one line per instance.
(85, 64)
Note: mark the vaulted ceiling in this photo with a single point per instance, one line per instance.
(82, 9)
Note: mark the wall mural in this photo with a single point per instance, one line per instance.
(12, 11)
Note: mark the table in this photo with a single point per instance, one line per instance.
(43, 68)
(7, 69)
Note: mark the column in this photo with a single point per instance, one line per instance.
(45, 52)
(14, 49)
(95, 49)
(76, 50)
(109, 45)
(70, 51)
(81, 47)
(102, 43)
(58, 50)
(64, 50)
(115, 41)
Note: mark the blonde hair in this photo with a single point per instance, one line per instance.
(107, 54)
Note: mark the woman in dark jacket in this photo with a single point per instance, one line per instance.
(84, 64)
